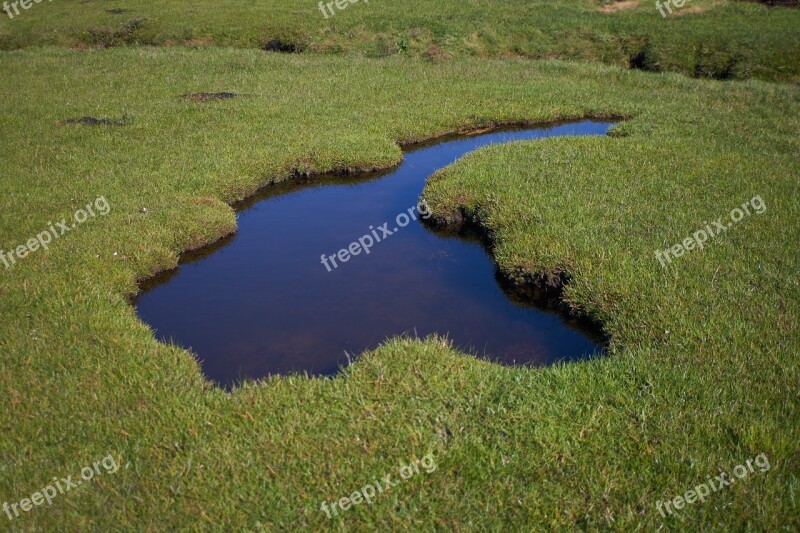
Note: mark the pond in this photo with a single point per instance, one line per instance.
(265, 300)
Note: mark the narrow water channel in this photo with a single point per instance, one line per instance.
(262, 302)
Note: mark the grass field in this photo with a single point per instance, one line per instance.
(702, 372)
(704, 38)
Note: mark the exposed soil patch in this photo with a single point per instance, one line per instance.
(276, 45)
(689, 11)
(118, 11)
(436, 53)
(479, 125)
(619, 6)
(207, 97)
(92, 121)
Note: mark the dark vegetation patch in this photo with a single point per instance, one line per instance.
(117, 11)
(778, 3)
(128, 33)
(207, 97)
(277, 45)
(645, 58)
(92, 121)
(718, 65)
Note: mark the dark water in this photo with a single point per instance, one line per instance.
(261, 302)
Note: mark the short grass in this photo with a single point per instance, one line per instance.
(704, 38)
(702, 372)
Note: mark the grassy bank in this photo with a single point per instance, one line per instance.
(703, 367)
(704, 38)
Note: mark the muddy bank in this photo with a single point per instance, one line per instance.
(542, 289)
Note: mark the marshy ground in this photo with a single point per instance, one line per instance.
(702, 368)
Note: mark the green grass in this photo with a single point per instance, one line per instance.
(723, 40)
(702, 372)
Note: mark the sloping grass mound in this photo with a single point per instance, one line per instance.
(702, 38)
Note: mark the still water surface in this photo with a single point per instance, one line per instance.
(261, 302)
